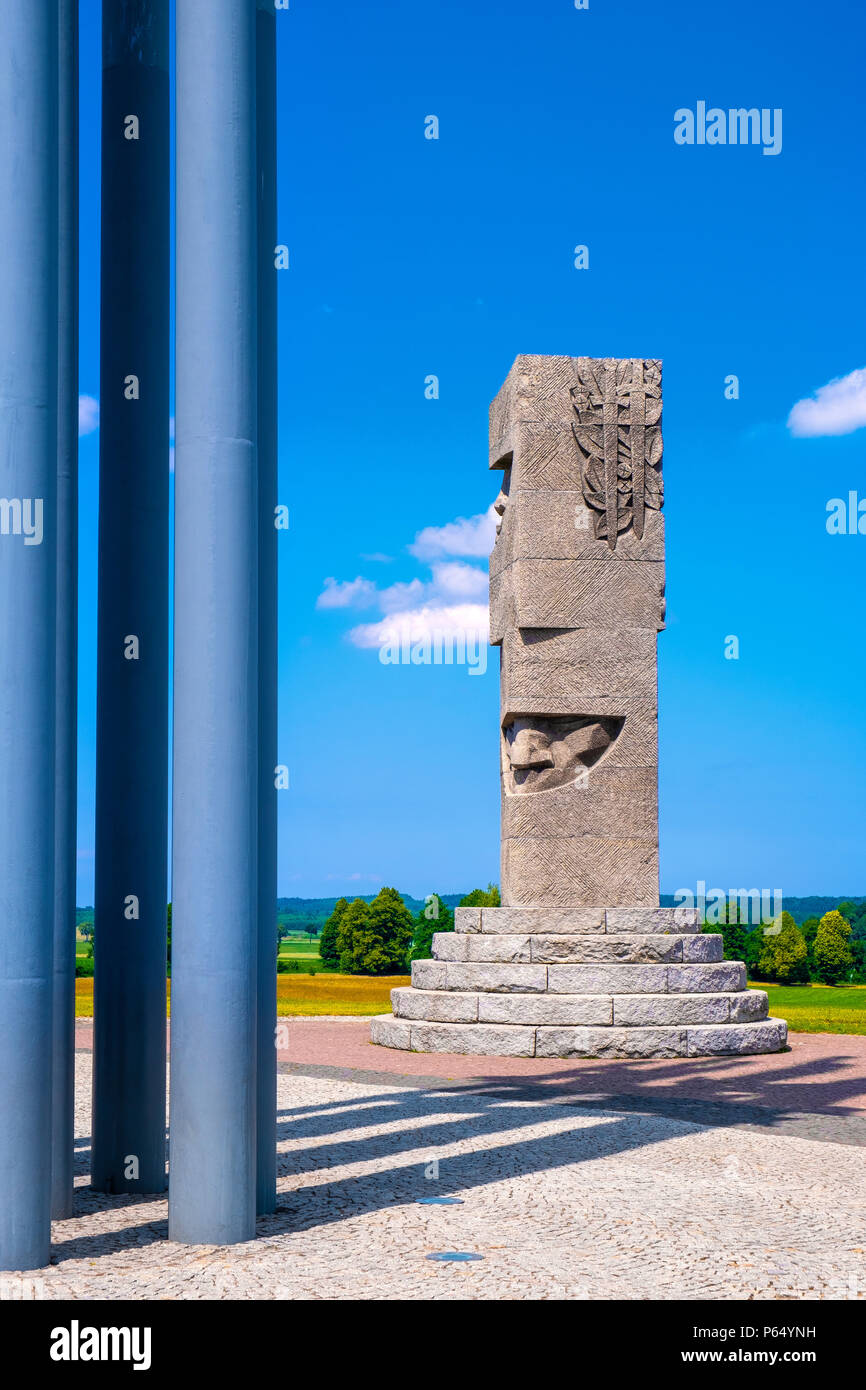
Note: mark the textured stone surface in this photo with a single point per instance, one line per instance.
(568, 1202)
(564, 921)
(615, 802)
(738, 1038)
(608, 979)
(592, 662)
(450, 945)
(435, 1006)
(546, 530)
(545, 1008)
(651, 920)
(499, 948)
(429, 974)
(703, 979)
(611, 1042)
(547, 921)
(612, 950)
(667, 1009)
(486, 1039)
(587, 592)
(516, 1040)
(751, 1004)
(611, 989)
(562, 870)
(703, 948)
(387, 1031)
(477, 975)
(467, 919)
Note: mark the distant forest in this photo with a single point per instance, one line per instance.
(299, 914)
(801, 909)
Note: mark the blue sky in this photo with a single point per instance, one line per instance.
(411, 257)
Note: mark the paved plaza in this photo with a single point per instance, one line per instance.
(711, 1178)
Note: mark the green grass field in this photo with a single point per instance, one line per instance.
(818, 1008)
(301, 949)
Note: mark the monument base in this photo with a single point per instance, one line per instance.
(579, 982)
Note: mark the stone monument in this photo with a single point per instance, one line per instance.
(580, 960)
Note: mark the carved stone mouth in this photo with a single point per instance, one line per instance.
(542, 752)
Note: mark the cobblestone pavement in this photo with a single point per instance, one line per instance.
(564, 1197)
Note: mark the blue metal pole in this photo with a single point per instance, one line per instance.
(132, 647)
(266, 181)
(28, 578)
(63, 1091)
(212, 1196)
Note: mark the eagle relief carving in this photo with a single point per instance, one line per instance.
(618, 407)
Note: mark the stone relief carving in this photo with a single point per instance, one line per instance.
(541, 752)
(619, 442)
(501, 501)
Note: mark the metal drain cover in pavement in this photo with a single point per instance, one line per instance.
(454, 1255)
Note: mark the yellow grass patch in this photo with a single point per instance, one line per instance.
(298, 995)
(336, 994)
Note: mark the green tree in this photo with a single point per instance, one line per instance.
(809, 928)
(833, 957)
(734, 933)
(482, 897)
(752, 949)
(435, 916)
(374, 937)
(855, 914)
(784, 956)
(328, 948)
(353, 925)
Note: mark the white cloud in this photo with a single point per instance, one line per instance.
(837, 408)
(88, 415)
(469, 537)
(354, 878)
(400, 596)
(454, 579)
(463, 620)
(450, 606)
(347, 593)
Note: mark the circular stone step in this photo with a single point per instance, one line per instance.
(521, 978)
(513, 1040)
(628, 1010)
(579, 949)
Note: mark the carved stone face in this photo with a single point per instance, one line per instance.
(545, 751)
(502, 500)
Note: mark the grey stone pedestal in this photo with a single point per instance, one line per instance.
(577, 583)
(579, 982)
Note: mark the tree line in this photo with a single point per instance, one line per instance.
(828, 950)
(382, 937)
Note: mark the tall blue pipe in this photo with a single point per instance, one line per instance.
(212, 1196)
(266, 182)
(132, 646)
(65, 797)
(28, 578)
